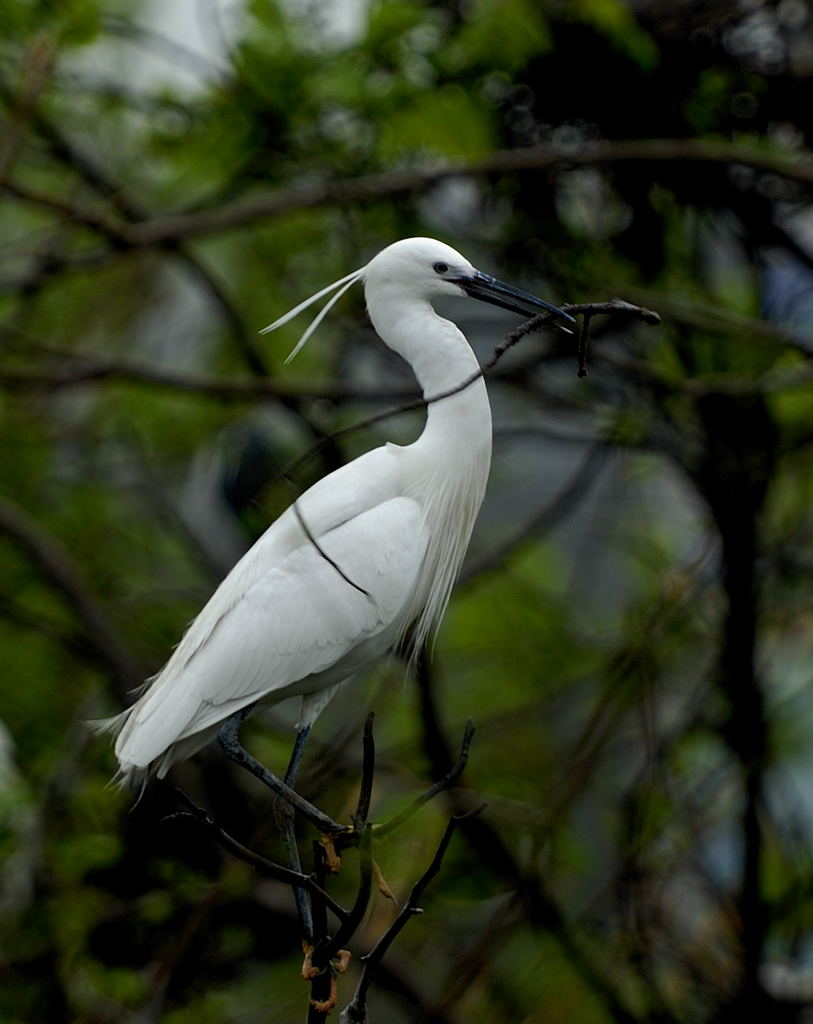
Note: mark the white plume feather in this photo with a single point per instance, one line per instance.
(343, 284)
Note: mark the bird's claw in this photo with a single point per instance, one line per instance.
(337, 965)
(333, 859)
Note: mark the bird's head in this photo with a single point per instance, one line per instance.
(417, 268)
(422, 269)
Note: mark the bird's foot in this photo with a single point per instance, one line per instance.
(337, 965)
(333, 859)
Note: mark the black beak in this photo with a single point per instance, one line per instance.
(489, 289)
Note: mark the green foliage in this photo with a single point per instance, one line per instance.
(505, 35)
(617, 24)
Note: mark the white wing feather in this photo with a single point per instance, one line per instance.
(296, 626)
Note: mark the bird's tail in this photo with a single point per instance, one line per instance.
(108, 726)
(129, 776)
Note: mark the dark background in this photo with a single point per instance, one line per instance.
(633, 631)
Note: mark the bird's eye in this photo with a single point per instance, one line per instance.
(440, 268)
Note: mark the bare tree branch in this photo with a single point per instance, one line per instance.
(547, 517)
(61, 572)
(356, 1010)
(37, 66)
(795, 166)
(75, 370)
(324, 956)
(448, 780)
(542, 908)
(115, 231)
(276, 871)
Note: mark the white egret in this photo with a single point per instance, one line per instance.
(365, 559)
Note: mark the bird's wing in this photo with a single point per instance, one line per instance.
(347, 492)
(316, 609)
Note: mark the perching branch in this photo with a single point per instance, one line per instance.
(326, 957)
(228, 737)
(367, 773)
(325, 954)
(267, 867)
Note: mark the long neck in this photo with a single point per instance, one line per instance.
(446, 469)
(442, 360)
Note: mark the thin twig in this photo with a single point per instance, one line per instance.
(428, 794)
(267, 867)
(38, 63)
(509, 341)
(545, 518)
(356, 1010)
(362, 811)
(612, 306)
(584, 335)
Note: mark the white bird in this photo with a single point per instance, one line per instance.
(365, 559)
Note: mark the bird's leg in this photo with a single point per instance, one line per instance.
(285, 821)
(296, 755)
(229, 739)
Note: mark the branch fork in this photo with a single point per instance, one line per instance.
(326, 955)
